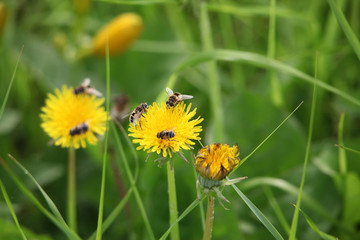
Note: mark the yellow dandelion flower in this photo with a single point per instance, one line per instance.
(166, 130)
(120, 32)
(70, 119)
(216, 161)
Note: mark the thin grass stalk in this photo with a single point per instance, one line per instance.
(342, 153)
(71, 196)
(295, 219)
(276, 92)
(214, 82)
(132, 182)
(173, 210)
(10, 84)
(279, 213)
(12, 212)
(99, 230)
(209, 218)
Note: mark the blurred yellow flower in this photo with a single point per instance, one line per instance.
(70, 119)
(3, 16)
(216, 161)
(120, 32)
(166, 130)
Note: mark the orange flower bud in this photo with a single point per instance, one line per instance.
(121, 32)
(3, 16)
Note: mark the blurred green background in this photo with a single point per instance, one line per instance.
(53, 32)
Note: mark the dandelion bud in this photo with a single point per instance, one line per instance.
(120, 32)
(3, 16)
(215, 162)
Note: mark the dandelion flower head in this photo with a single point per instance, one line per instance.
(166, 130)
(216, 161)
(70, 119)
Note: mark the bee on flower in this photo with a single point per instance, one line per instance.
(71, 119)
(165, 130)
(214, 163)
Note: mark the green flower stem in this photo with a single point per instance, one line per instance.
(209, 218)
(71, 198)
(175, 234)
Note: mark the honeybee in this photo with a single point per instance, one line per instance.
(79, 129)
(85, 88)
(175, 98)
(137, 113)
(166, 134)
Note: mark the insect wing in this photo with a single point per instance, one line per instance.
(86, 82)
(169, 92)
(186, 97)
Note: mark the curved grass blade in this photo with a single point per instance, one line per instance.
(256, 60)
(353, 40)
(186, 212)
(112, 216)
(315, 228)
(138, 2)
(51, 204)
(250, 11)
(58, 222)
(10, 84)
(259, 215)
(8, 203)
(292, 189)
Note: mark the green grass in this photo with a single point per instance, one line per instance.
(248, 65)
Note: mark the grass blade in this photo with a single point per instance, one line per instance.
(256, 60)
(8, 203)
(353, 40)
(138, 2)
(132, 181)
(99, 230)
(10, 84)
(259, 214)
(315, 228)
(60, 223)
(279, 213)
(348, 149)
(306, 160)
(212, 73)
(186, 212)
(115, 212)
(249, 155)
